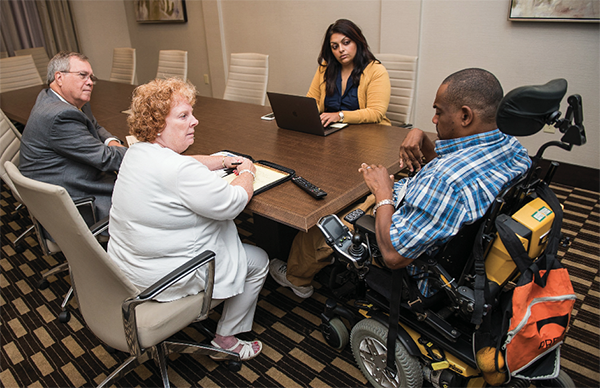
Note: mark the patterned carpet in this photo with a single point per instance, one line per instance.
(38, 351)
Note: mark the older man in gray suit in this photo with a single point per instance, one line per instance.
(63, 144)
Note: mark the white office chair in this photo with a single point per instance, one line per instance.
(10, 144)
(117, 312)
(18, 73)
(248, 78)
(402, 70)
(40, 58)
(172, 63)
(123, 65)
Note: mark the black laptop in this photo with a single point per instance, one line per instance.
(300, 113)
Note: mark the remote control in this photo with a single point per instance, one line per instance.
(354, 215)
(309, 187)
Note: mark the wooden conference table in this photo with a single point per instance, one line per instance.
(330, 162)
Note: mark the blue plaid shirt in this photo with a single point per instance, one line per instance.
(453, 190)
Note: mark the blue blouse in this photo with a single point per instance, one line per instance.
(337, 102)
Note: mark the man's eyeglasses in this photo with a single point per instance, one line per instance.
(83, 76)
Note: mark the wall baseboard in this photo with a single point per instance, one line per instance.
(586, 178)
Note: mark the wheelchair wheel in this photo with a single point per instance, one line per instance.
(563, 380)
(368, 341)
(335, 333)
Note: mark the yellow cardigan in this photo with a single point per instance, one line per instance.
(373, 95)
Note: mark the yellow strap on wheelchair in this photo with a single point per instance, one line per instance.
(446, 282)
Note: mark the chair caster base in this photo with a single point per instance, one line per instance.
(19, 248)
(234, 366)
(43, 284)
(64, 316)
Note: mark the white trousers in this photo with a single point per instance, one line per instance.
(238, 311)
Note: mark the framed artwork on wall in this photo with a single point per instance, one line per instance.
(160, 11)
(555, 10)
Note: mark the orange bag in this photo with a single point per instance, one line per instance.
(540, 318)
(541, 304)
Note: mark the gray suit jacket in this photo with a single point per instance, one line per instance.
(63, 145)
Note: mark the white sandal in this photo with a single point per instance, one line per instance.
(246, 352)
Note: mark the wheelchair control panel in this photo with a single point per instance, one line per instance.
(346, 245)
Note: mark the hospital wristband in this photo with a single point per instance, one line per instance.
(381, 203)
(250, 172)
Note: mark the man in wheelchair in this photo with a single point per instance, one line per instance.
(454, 226)
(469, 165)
(455, 184)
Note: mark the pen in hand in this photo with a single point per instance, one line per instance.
(232, 169)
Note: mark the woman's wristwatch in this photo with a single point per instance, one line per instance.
(341, 114)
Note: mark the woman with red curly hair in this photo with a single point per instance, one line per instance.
(168, 208)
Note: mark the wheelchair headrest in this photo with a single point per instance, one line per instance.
(526, 109)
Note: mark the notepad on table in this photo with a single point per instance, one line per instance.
(268, 174)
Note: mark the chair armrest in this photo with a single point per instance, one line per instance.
(365, 224)
(128, 307)
(178, 273)
(99, 226)
(85, 201)
(87, 210)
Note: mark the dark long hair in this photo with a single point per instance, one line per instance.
(363, 56)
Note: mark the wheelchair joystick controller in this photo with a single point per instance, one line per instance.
(347, 246)
(357, 249)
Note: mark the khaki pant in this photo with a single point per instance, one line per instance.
(310, 253)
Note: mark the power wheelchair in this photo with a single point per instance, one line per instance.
(433, 340)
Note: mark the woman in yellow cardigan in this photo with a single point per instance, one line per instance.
(350, 85)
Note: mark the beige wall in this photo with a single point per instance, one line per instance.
(105, 24)
(475, 33)
(447, 35)
(101, 26)
(291, 33)
(149, 39)
(400, 24)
